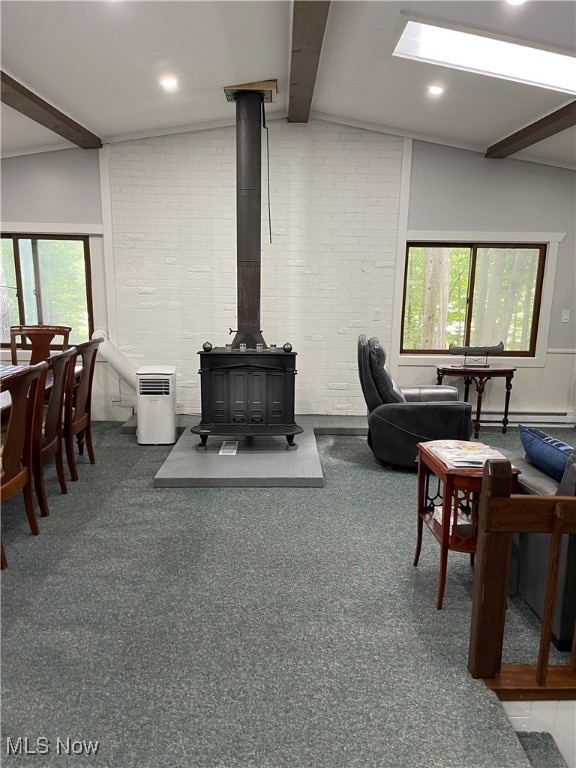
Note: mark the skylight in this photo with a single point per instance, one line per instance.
(487, 56)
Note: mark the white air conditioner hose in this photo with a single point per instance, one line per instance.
(115, 358)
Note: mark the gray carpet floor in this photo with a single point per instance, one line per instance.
(265, 627)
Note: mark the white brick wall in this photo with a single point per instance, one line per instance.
(335, 200)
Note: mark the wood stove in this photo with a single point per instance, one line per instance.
(247, 388)
(247, 393)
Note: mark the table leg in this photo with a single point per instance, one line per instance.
(507, 403)
(420, 507)
(480, 382)
(447, 501)
(467, 382)
(439, 378)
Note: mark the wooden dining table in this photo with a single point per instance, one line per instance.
(5, 400)
(6, 370)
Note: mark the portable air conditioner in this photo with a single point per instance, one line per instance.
(156, 404)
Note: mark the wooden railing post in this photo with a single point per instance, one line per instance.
(550, 598)
(491, 577)
(500, 515)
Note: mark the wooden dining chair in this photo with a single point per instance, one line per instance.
(26, 390)
(78, 404)
(39, 339)
(48, 441)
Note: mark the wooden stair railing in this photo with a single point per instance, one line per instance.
(502, 514)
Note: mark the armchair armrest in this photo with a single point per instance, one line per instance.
(430, 393)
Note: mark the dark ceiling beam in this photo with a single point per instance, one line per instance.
(554, 123)
(22, 99)
(308, 27)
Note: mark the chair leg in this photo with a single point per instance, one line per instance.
(60, 470)
(80, 441)
(70, 457)
(89, 446)
(40, 489)
(30, 513)
(3, 561)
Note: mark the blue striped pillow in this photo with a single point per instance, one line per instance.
(546, 453)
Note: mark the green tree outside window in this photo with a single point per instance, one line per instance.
(472, 294)
(46, 280)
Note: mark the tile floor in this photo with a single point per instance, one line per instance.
(555, 717)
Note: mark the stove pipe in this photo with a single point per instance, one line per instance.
(248, 216)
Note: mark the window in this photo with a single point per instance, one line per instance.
(472, 294)
(45, 279)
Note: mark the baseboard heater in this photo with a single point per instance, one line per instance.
(566, 418)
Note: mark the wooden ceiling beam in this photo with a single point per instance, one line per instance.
(308, 26)
(547, 126)
(22, 99)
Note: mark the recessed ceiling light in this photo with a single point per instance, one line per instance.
(515, 2)
(169, 83)
(474, 52)
(435, 90)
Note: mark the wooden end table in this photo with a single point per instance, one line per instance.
(479, 375)
(451, 510)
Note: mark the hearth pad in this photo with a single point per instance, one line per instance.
(258, 462)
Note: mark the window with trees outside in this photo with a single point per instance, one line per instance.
(472, 294)
(45, 280)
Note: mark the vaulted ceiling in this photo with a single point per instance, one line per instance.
(89, 71)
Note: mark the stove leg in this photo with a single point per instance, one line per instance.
(290, 439)
(203, 441)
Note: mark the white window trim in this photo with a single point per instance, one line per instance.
(30, 228)
(551, 239)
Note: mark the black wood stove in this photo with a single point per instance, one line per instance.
(247, 393)
(247, 388)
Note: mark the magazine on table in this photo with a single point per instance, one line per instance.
(460, 453)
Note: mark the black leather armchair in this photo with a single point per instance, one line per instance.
(401, 417)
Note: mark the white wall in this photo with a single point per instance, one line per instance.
(59, 193)
(335, 195)
(454, 189)
(52, 187)
(342, 202)
(457, 190)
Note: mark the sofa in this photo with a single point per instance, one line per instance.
(529, 563)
